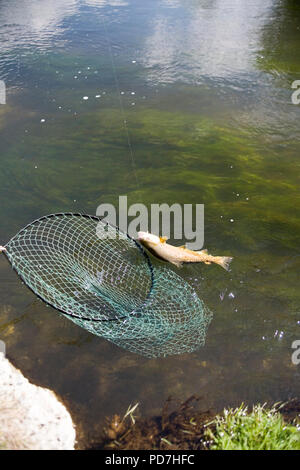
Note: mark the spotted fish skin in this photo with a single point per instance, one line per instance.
(159, 247)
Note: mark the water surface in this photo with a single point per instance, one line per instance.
(205, 88)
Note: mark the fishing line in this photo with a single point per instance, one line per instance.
(120, 101)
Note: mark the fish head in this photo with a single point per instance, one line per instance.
(148, 238)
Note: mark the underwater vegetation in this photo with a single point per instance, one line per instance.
(190, 155)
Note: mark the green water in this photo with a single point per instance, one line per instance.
(205, 89)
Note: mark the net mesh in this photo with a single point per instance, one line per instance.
(104, 281)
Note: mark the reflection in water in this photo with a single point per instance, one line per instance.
(102, 3)
(31, 22)
(280, 42)
(201, 42)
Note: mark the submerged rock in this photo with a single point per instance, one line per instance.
(31, 417)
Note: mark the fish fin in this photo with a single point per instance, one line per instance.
(204, 252)
(163, 239)
(225, 262)
(177, 264)
(207, 262)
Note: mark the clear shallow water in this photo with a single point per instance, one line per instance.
(207, 99)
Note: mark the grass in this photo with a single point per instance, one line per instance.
(183, 426)
(260, 429)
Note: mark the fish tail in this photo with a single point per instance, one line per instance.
(223, 261)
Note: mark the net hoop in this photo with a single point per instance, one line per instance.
(67, 313)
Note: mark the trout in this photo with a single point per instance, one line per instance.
(179, 255)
